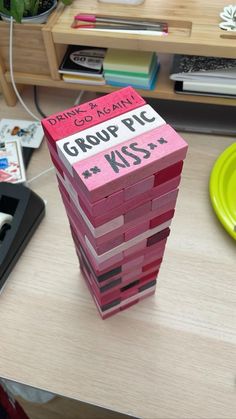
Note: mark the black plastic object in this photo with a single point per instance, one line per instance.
(27, 210)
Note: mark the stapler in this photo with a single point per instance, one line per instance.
(21, 211)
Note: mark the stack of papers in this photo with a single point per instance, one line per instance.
(131, 68)
(204, 75)
(83, 65)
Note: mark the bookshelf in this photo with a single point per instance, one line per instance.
(193, 29)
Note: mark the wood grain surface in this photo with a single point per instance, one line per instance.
(171, 356)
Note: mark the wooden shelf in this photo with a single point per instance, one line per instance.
(193, 29)
(163, 90)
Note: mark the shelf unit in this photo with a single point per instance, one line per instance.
(193, 29)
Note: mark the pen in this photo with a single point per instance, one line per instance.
(102, 19)
(116, 27)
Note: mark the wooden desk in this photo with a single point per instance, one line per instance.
(171, 356)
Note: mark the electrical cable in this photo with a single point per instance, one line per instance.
(40, 174)
(37, 103)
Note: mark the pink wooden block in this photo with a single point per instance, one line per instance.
(106, 204)
(139, 187)
(165, 199)
(80, 117)
(133, 263)
(135, 231)
(137, 212)
(106, 246)
(134, 159)
(136, 248)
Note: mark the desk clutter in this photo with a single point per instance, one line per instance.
(18, 138)
(99, 66)
(211, 76)
(118, 166)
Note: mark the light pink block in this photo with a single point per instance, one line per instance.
(117, 170)
(132, 263)
(164, 200)
(80, 117)
(139, 187)
(136, 248)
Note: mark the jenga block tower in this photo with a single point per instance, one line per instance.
(118, 166)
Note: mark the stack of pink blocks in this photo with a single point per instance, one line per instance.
(118, 166)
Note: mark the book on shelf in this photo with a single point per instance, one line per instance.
(205, 89)
(194, 67)
(83, 61)
(70, 78)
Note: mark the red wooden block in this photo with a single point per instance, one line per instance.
(152, 264)
(162, 218)
(168, 173)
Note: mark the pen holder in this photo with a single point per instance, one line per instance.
(128, 2)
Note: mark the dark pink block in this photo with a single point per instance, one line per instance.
(135, 231)
(117, 172)
(137, 212)
(158, 236)
(168, 173)
(86, 115)
(161, 218)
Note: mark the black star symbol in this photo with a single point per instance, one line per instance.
(152, 146)
(86, 174)
(162, 141)
(95, 170)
